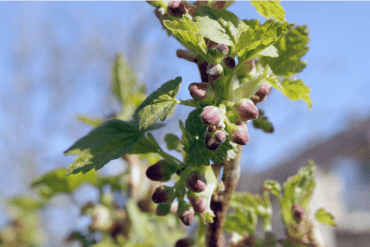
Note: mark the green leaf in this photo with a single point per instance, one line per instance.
(91, 121)
(262, 123)
(26, 203)
(218, 25)
(295, 89)
(269, 51)
(290, 48)
(187, 32)
(56, 181)
(270, 9)
(123, 79)
(196, 153)
(173, 142)
(251, 41)
(298, 189)
(272, 186)
(147, 145)
(108, 141)
(241, 220)
(325, 217)
(159, 104)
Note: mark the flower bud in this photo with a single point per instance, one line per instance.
(298, 212)
(161, 171)
(245, 110)
(196, 181)
(202, 92)
(239, 134)
(262, 93)
(185, 242)
(162, 194)
(211, 115)
(198, 201)
(211, 45)
(176, 8)
(215, 71)
(188, 55)
(221, 126)
(211, 143)
(163, 209)
(186, 213)
(229, 62)
(223, 49)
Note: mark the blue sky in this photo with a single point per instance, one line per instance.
(87, 35)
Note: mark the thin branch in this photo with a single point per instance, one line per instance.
(220, 203)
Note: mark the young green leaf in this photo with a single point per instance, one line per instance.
(325, 217)
(173, 142)
(26, 203)
(218, 25)
(269, 51)
(241, 221)
(270, 9)
(91, 121)
(295, 89)
(290, 48)
(108, 141)
(251, 41)
(159, 104)
(262, 123)
(147, 145)
(187, 32)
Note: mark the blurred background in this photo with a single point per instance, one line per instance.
(55, 64)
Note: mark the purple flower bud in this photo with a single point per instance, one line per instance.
(298, 212)
(185, 242)
(198, 201)
(229, 62)
(186, 213)
(161, 171)
(211, 143)
(263, 92)
(202, 92)
(162, 194)
(202, 66)
(189, 55)
(163, 209)
(211, 115)
(215, 71)
(239, 134)
(223, 49)
(245, 110)
(176, 8)
(219, 136)
(196, 181)
(210, 44)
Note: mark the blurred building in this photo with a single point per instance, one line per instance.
(343, 184)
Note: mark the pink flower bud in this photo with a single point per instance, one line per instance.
(176, 8)
(298, 212)
(229, 62)
(211, 143)
(189, 55)
(215, 71)
(223, 49)
(263, 92)
(245, 110)
(211, 115)
(185, 242)
(202, 92)
(196, 181)
(161, 171)
(198, 201)
(162, 194)
(186, 213)
(210, 44)
(239, 134)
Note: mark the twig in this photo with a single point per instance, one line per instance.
(220, 204)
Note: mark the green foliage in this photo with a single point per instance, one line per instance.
(324, 217)
(262, 123)
(253, 41)
(220, 26)
(187, 32)
(295, 89)
(241, 220)
(291, 48)
(90, 121)
(159, 104)
(173, 142)
(270, 9)
(26, 203)
(108, 141)
(55, 182)
(147, 145)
